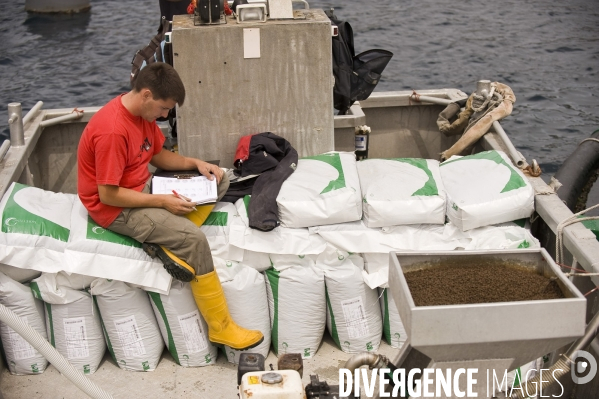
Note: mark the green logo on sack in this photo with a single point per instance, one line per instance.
(99, 233)
(34, 368)
(369, 346)
(515, 181)
(524, 244)
(146, 366)
(454, 206)
(86, 369)
(430, 187)
(15, 219)
(208, 358)
(306, 352)
(335, 161)
(216, 219)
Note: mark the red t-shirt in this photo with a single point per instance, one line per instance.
(115, 149)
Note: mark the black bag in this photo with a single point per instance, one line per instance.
(356, 76)
(158, 50)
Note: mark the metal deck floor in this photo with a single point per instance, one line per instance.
(170, 380)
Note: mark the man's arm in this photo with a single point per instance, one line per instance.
(127, 198)
(168, 160)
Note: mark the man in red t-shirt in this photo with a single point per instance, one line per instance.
(117, 145)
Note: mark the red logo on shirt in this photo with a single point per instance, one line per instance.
(145, 146)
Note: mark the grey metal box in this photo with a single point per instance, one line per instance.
(287, 91)
(522, 330)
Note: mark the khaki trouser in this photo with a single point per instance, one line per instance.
(176, 233)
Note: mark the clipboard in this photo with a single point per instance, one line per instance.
(189, 183)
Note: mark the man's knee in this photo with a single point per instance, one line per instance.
(223, 186)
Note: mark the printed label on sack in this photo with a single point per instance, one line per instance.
(130, 337)
(21, 349)
(355, 317)
(192, 332)
(75, 336)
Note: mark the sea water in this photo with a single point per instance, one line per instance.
(547, 51)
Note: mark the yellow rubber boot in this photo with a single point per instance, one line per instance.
(199, 216)
(210, 298)
(174, 265)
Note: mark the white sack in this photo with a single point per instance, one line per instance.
(35, 227)
(357, 238)
(353, 310)
(296, 299)
(257, 260)
(217, 228)
(18, 274)
(245, 290)
(401, 191)
(324, 189)
(95, 251)
(183, 328)
(130, 327)
(280, 240)
(507, 236)
(484, 189)
(376, 269)
(21, 357)
(393, 328)
(72, 320)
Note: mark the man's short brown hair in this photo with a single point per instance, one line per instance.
(162, 80)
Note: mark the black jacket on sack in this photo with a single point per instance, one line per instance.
(274, 159)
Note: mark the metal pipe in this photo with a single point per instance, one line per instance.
(433, 100)
(32, 112)
(372, 360)
(565, 362)
(15, 120)
(305, 2)
(4, 149)
(519, 160)
(60, 119)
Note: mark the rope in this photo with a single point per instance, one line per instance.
(534, 172)
(484, 99)
(560, 228)
(78, 111)
(416, 97)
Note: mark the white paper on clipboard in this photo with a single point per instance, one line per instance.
(198, 189)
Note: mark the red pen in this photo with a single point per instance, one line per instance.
(184, 198)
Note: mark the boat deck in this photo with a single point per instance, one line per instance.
(170, 380)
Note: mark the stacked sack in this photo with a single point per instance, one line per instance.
(35, 228)
(296, 299)
(259, 245)
(130, 327)
(72, 321)
(183, 328)
(21, 357)
(353, 313)
(324, 189)
(485, 189)
(245, 290)
(52, 232)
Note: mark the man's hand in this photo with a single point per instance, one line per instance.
(209, 170)
(177, 206)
